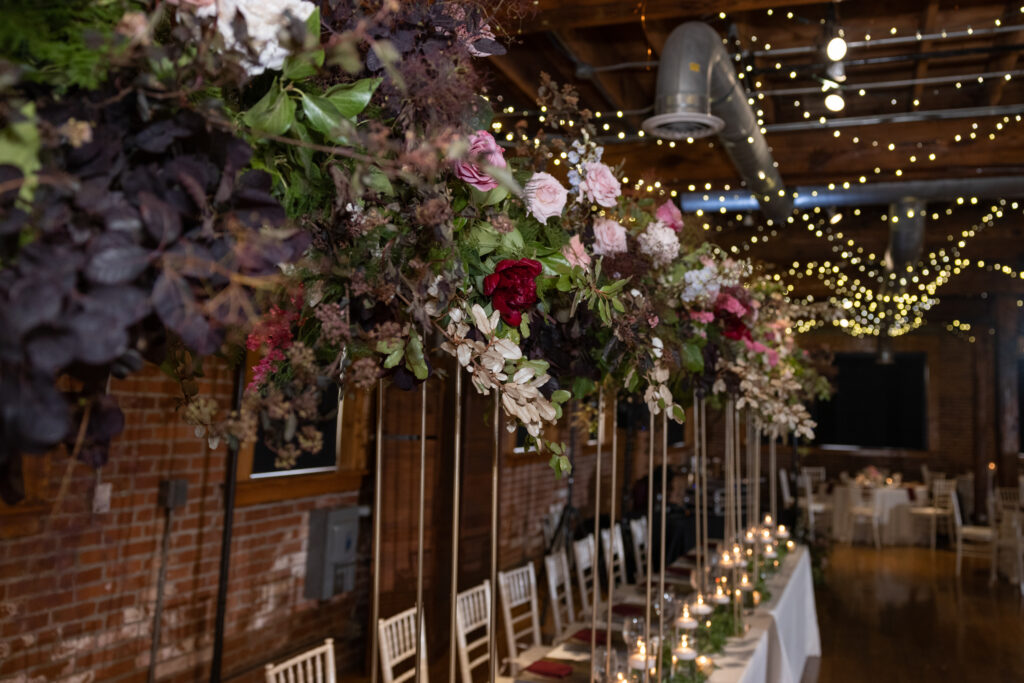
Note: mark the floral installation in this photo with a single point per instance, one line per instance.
(317, 184)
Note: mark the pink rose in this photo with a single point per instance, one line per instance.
(669, 214)
(728, 302)
(575, 253)
(599, 185)
(545, 196)
(482, 147)
(773, 357)
(609, 237)
(754, 346)
(702, 316)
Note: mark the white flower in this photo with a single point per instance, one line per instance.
(660, 242)
(265, 20)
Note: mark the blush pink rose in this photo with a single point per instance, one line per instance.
(702, 316)
(482, 147)
(728, 302)
(575, 253)
(599, 184)
(609, 237)
(545, 196)
(669, 214)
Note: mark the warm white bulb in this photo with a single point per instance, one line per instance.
(836, 217)
(834, 102)
(836, 49)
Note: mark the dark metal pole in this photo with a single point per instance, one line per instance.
(230, 472)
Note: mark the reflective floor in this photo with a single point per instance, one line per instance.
(900, 614)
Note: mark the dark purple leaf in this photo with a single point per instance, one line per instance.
(95, 454)
(159, 136)
(50, 349)
(105, 420)
(128, 305)
(162, 221)
(116, 264)
(33, 302)
(177, 308)
(8, 174)
(99, 337)
(42, 414)
(13, 221)
(488, 46)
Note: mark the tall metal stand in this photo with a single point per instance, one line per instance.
(492, 628)
(456, 500)
(377, 486)
(611, 527)
(597, 536)
(419, 532)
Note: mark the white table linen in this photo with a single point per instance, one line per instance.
(783, 632)
(898, 525)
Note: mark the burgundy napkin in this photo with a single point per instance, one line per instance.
(911, 494)
(552, 669)
(584, 635)
(624, 610)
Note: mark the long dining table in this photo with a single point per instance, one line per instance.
(780, 636)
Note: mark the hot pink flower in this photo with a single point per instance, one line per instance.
(609, 237)
(575, 253)
(702, 316)
(482, 147)
(728, 302)
(545, 196)
(599, 184)
(669, 214)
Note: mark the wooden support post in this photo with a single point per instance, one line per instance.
(984, 420)
(1006, 316)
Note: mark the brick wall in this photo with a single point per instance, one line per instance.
(77, 594)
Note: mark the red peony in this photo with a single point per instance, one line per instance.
(736, 330)
(513, 288)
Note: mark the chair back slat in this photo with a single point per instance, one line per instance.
(397, 636)
(556, 567)
(583, 554)
(472, 613)
(787, 495)
(638, 530)
(617, 558)
(518, 590)
(312, 666)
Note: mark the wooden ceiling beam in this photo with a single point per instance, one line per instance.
(921, 68)
(1003, 62)
(817, 157)
(558, 15)
(526, 81)
(610, 84)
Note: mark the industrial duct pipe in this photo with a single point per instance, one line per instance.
(698, 95)
(906, 234)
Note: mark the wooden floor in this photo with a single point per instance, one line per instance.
(900, 614)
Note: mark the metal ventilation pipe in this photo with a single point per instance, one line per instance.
(699, 95)
(906, 234)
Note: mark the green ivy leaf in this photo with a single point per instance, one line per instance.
(414, 357)
(560, 396)
(19, 147)
(678, 414)
(351, 98)
(324, 117)
(273, 114)
(303, 65)
(582, 387)
(693, 359)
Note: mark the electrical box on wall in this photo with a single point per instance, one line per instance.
(331, 557)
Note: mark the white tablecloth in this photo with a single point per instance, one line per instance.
(898, 525)
(783, 632)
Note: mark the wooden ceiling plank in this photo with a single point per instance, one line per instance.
(557, 15)
(927, 27)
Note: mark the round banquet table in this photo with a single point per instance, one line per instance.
(898, 525)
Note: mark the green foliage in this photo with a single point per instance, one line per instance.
(64, 44)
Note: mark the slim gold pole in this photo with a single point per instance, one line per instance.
(456, 486)
(650, 530)
(492, 628)
(375, 610)
(664, 508)
(597, 534)
(773, 479)
(419, 549)
(704, 485)
(611, 527)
